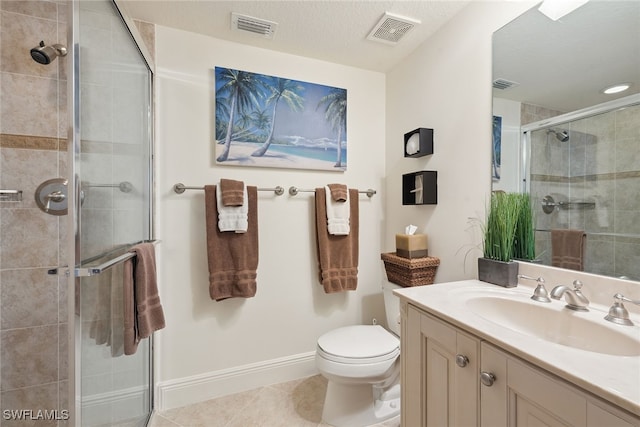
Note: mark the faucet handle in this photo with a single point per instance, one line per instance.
(540, 294)
(618, 313)
(577, 285)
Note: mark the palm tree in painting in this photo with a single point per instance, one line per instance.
(261, 120)
(222, 115)
(335, 112)
(242, 88)
(281, 90)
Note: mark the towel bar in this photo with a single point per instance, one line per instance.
(124, 186)
(95, 270)
(295, 190)
(180, 188)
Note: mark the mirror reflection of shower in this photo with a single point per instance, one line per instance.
(44, 54)
(562, 135)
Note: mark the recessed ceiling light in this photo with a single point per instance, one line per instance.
(620, 87)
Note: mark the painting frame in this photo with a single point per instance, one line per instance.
(269, 121)
(496, 148)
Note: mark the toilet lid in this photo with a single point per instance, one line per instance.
(360, 341)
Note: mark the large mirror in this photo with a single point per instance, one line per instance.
(558, 136)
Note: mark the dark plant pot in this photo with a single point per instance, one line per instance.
(498, 272)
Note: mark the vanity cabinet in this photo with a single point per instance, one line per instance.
(439, 381)
(453, 378)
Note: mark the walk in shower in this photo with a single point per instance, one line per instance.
(582, 170)
(75, 192)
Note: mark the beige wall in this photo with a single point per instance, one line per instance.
(446, 85)
(207, 342)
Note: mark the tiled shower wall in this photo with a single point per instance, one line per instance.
(601, 176)
(33, 149)
(33, 312)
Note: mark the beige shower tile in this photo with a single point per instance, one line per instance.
(41, 397)
(21, 291)
(21, 33)
(63, 116)
(29, 105)
(39, 9)
(627, 123)
(63, 351)
(27, 142)
(148, 33)
(29, 356)
(63, 401)
(29, 239)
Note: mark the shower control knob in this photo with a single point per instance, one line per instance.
(462, 360)
(487, 378)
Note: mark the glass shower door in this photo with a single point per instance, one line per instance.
(112, 170)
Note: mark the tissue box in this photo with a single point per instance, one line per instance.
(411, 245)
(410, 272)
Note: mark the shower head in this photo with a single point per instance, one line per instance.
(44, 54)
(562, 135)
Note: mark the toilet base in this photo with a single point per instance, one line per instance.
(348, 405)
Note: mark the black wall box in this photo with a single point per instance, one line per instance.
(420, 188)
(418, 143)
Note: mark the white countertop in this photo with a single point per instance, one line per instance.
(611, 377)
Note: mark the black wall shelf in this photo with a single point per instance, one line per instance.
(420, 188)
(423, 145)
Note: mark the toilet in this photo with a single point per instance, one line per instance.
(362, 366)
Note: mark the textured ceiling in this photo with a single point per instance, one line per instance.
(330, 30)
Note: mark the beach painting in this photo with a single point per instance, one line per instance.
(268, 121)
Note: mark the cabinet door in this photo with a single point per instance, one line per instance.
(441, 387)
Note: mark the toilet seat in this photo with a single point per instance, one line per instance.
(359, 344)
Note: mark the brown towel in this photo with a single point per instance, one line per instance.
(337, 254)
(142, 309)
(338, 192)
(567, 249)
(233, 257)
(232, 192)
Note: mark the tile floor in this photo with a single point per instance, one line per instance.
(291, 404)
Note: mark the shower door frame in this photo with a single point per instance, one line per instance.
(526, 130)
(73, 160)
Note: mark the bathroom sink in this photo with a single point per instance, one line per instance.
(553, 323)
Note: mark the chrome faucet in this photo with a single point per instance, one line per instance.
(618, 313)
(574, 297)
(540, 294)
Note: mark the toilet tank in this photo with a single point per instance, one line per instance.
(391, 306)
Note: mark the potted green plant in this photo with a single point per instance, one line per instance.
(525, 242)
(497, 266)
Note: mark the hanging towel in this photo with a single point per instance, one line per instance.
(337, 215)
(232, 192)
(143, 312)
(567, 249)
(233, 257)
(232, 218)
(337, 255)
(107, 325)
(339, 192)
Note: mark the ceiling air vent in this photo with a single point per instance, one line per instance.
(253, 25)
(504, 84)
(391, 28)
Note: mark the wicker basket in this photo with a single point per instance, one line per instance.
(410, 272)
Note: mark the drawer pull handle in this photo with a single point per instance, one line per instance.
(462, 360)
(487, 378)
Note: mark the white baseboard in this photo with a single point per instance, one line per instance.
(198, 388)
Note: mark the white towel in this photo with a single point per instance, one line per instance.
(233, 218)
(337, 215)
